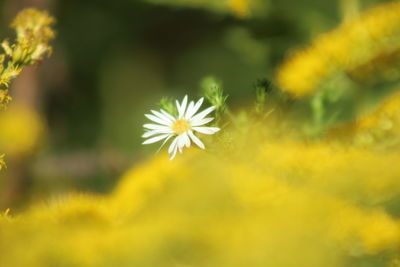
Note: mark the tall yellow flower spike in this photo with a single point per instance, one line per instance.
(352, 44)
(381, 127)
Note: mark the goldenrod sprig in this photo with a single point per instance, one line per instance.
(33, 29)
(352, 44)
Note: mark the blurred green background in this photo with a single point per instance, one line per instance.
(114, 60)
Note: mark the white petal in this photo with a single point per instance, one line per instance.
(181, 142)
(152, 126)
(182, 107)
(158, 120)
(165, 141)
(155, 132)
(204, 113)
(155, 139)
(196, 140)
(178, 106)
(201, 122)
(173, 148)
(161, 116)
(173, 153)
(167, 114)
(186, 139)
(173, 145)
(206, 130)
(194, 109)
(189, 109)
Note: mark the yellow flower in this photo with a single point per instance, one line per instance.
(34, 31)
(4, 98)
(352, 44)
(240, 7)
(32, 23)
(20, 130)
(381, 127)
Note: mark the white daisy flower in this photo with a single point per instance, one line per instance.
(182, 128)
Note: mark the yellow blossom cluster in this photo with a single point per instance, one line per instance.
(379, 128)
(21, 129)
(354, 43)
(34, 32)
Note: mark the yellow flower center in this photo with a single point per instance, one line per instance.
(181, 126)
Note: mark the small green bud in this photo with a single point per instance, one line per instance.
(167, 104)
(213, 92)
(262, 88)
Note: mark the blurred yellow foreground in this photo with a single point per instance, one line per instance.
(261, 201)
